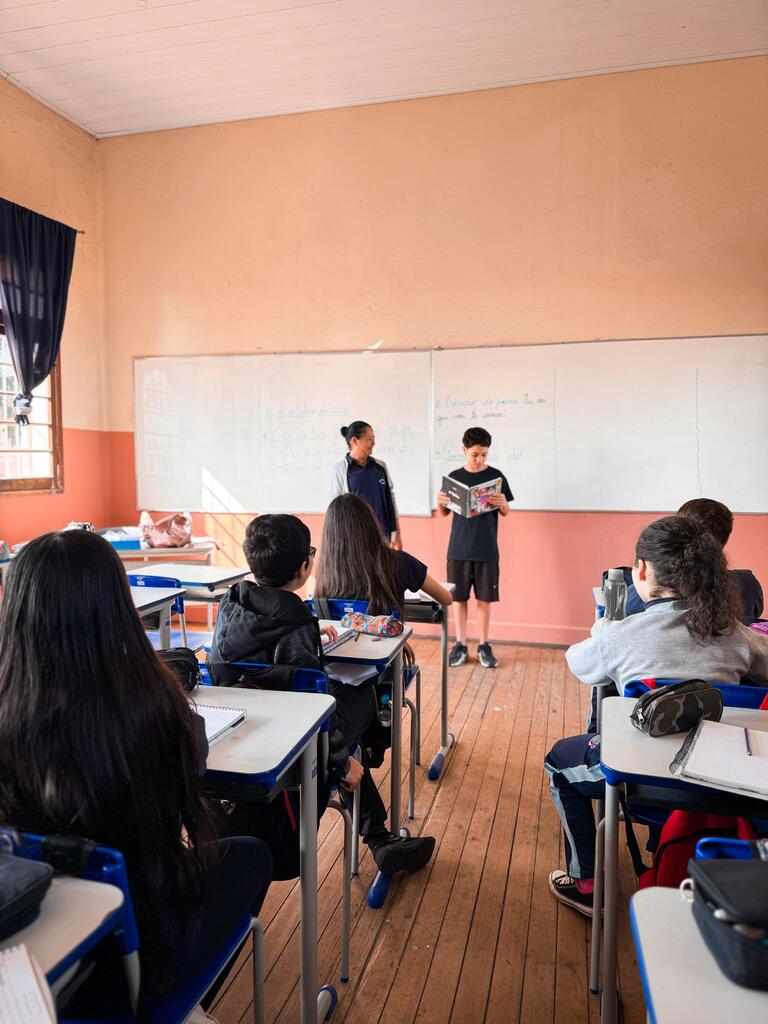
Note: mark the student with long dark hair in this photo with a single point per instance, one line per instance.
(689, 630)
(357, 563)
(99, 741)
(359, 473)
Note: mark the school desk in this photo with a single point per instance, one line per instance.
(157, 599)
(75, 915)
(254, 760)
(200, 551)
(629, 756)
(681, 980)
(418, 607)
(205, 579)
(379, 653)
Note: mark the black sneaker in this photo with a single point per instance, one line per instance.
(396, 853)
(486, 656)
(458, 655)
(565, 890)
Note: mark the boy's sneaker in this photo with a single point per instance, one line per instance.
(396, 853)
(459, 654)
(565, 890)
(486, 656)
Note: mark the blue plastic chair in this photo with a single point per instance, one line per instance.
(177, 608)
(101, 864)
(741, 695)
(106, 865)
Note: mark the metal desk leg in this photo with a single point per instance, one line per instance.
(611, 895)
(447, 739)
(397, 743)
(597, 906)
(315, 1006)
(164, 633)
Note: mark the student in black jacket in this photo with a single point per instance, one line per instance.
(268, 623)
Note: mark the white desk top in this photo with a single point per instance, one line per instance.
(367, 648)
(276, 729)
(625, 750)
(150, 599)
(682, 982)
(199, 546)
(192, 575)
(73, 909)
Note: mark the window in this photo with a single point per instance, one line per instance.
(30, 457)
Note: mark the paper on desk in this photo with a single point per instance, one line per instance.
(24, 995)
(350, 675)
(417, 595)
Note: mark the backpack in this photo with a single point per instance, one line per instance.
(183, 662)
(677, 844)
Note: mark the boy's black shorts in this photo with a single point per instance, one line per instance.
(483, 576)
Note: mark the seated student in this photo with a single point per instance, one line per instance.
(716, 519)
(268, 623)
(357, 563)
(689, 630)
(98, 740)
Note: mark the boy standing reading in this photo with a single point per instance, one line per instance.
(473, 550)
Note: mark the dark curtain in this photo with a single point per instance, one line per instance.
(35, 266)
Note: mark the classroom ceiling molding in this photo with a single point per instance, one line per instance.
(115, 67)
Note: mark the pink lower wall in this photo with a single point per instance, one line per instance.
(86, 495)
(549, 560)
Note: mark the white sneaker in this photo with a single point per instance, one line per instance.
(199, 1016)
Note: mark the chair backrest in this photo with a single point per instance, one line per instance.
(305, 680)
(70, 855)
(335, 608)
(734, 695)
(156, 583)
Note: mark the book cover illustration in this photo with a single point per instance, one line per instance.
(470, 501)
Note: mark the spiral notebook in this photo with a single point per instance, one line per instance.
(218, 720)
(717, 753)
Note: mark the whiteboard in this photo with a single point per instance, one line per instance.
(619, 426)
(259, 433)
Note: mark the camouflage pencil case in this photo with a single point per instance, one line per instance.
(677, 707)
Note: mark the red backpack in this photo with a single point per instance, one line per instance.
(677, 844)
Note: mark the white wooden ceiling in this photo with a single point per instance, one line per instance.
(121, 66)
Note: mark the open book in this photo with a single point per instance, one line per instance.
(719, 754)
(470, 501)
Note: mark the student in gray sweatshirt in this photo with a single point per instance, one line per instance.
(690, 630)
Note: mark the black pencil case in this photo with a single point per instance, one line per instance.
(23, 884)
(730, 907)
(676, 707)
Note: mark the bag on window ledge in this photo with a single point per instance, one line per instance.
(173, 531)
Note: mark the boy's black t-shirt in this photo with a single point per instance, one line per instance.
(474, 540)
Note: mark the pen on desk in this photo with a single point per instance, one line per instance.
(746, 740)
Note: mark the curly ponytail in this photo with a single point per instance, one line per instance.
(690, 562)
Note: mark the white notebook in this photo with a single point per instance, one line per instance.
(331, 645)
(24, 994)
(218, 720)
(716, 752)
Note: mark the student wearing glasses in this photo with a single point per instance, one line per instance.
(268, 623)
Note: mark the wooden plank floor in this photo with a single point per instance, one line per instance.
(475, 936)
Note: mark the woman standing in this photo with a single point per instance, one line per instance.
(359, 473)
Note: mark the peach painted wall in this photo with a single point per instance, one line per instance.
(52, 167)
(629, 205)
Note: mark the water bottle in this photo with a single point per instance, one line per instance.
(384, 711)
(615, 595)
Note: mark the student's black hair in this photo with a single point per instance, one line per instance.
(274, 548)
(476, 435)
(687, 560)
(355, 560)
(714, 516)
(355, 429)
(97, 738)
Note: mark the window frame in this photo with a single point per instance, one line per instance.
(55, 483)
